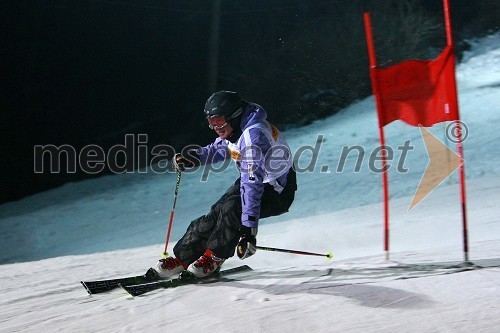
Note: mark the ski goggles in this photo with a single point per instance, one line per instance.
(217, 122)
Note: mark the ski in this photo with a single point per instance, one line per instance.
(183, 279)
(100, 286)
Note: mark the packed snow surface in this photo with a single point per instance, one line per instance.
(114, 226)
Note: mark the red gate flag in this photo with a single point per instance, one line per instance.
(419, 92)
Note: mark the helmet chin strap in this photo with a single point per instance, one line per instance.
(232, 137)
(236, 126)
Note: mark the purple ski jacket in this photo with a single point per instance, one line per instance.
(262, 156)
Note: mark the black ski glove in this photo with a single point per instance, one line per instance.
(180, 163)
(247, 245)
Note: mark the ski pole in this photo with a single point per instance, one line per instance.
(165, 253)
(329, 255)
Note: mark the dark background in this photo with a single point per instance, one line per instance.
(82, 72)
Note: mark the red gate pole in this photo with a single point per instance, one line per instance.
(373, 77)
(458, 126)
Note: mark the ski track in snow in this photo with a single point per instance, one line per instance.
(114, 226)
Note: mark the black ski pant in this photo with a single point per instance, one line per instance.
(219, 230)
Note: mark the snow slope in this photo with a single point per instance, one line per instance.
(114, 226)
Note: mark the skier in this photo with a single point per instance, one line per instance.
(266, 186)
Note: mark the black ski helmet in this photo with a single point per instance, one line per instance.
(224, 103)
